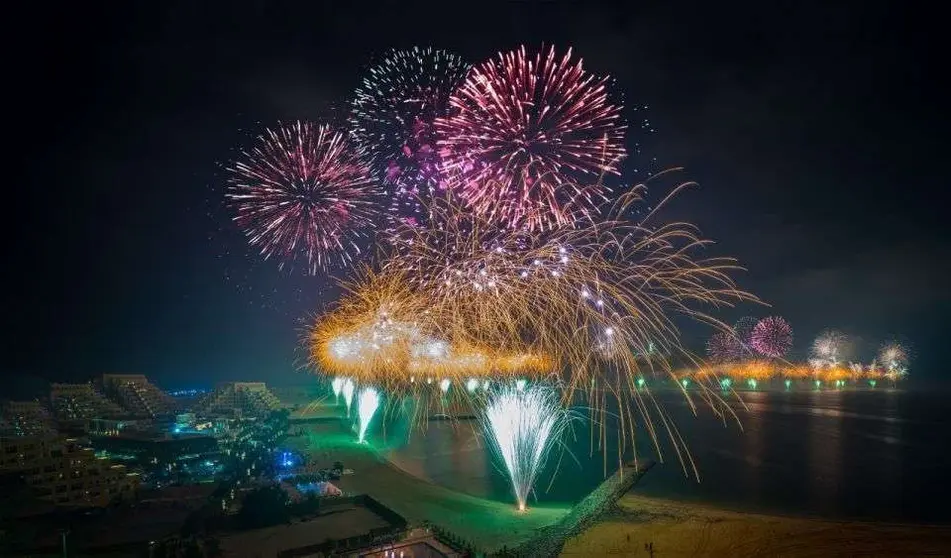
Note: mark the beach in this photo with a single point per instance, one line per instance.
(674, 528)
(679, 529)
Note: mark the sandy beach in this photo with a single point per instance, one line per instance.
(678, 529)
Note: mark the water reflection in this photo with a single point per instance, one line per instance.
(824, 432)
(877, 455)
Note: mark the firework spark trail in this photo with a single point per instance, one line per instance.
(303, 192)
(367, 404)
(337, 385)
(612, 282)
(347, 390)
(577, 302)
(528, 139)
(772, 337)
(522, 426)
(392, 117)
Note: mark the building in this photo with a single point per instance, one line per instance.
(79, 402)
(160, 449)
(60, 471)
(353, 527)
(25, 418)
(238, 399)
(116, 427)
(138, 396)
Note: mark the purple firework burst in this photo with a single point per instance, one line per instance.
(303, 192)
(392, 116)
(724, 347)
(772, 337)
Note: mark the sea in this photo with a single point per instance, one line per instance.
(879, 455)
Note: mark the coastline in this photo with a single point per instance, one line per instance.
(676, 528)
(681, 529)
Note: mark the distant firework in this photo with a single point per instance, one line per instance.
(743, 330)
(724, 347)
(528, 139)
(894, 358)
(392, 116)
(303, 192)
(830, 348)
(772, 337)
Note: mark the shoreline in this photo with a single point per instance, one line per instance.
(675, 527)
(678, 529)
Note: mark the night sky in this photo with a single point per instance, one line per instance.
(818, 136)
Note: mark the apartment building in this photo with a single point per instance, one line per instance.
(25, 418)
(239, 399)
(60, 471)
(79, 402)
(137, 395)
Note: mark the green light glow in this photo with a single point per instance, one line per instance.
(872, 383)
(725, 383)
(641, 382)
(752, 383)
(685, 382)
(788, 383)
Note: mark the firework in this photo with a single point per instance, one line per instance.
(347, 390)
(759, 370)
(593, 304)
(337, 385)
(522, 425)
(743, 331)
(772, 337)
(528, 138)
(829, 349)
(613, 283)
(392, 116)
(894, 358)
(367, 405)
(303, 192)
(724, 347)
(386, 334)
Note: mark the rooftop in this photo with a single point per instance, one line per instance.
(335, 523)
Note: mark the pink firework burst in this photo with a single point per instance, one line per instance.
(772, 337)
(303, 192)
(528, 139)
(724, 347)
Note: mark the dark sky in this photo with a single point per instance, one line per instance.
(818, 135)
